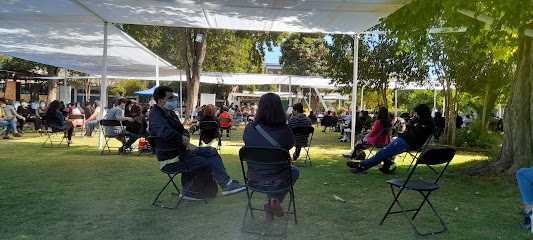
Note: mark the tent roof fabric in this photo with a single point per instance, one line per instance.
(149, 92)
(69, 33)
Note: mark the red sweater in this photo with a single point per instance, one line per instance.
(224, 115)
(373, 135)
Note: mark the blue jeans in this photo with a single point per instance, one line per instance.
(89, 126)
(205, 156)
(524, 177)
(11, 125)
(279, 195)
(397, 146)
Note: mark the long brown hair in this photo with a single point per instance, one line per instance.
(210, 110)
(136, 113)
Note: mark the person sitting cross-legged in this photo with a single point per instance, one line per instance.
(165, 124)
(299, 119)
(271, 118)
(10, 123)
(418, 131)
(93, 120)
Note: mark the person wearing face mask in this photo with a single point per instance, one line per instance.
(41, 110)
(417, 132)
(24, 111)
(9, 122)
(165, 124)
(117, 113)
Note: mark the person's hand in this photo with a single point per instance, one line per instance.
(407, 123)
(130, 119)
(23, 118)
(192, 147)
(185, 140)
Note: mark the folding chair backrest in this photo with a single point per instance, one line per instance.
(47, 120)
(208, 131)
(110, 123)
(265, 156)
(76, 116)
(388, 132)
(162, 144)
(303, 130)
(436, 156)
(225, 120)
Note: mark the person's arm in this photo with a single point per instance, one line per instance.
(15, 114)
(61, 118)
(92, 117)
(120, 117)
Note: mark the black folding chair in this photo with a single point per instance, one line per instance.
(158, 144)
(50, 130)
(228, 128)
(268, 158)
(327, 121)
(111, 123)
(137, 128)
(430, 157)
(308, 132)
(209, 132)
(75, 117)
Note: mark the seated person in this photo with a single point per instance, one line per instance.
(164, 124)
(313, 117)
(346, 124)
(52, 113)
(225, 114)
(8, 122)
(117, 113)
(139, 129)
(75, 110)
(25, 112)
(439, 123)
(93, 120)
(9, 112)
(524, 177)
(373, 137)
(299, 119)
(327, 121)
(418, 131)
(237, 117)
(271, 118)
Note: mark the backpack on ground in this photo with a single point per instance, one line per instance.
(204, 185)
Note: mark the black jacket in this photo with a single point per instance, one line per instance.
(416, 134)
(166, 125)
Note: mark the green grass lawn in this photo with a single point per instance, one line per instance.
(75, 193)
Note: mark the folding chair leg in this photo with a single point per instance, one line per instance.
(307, 157)
(49, 138)
(160, 192)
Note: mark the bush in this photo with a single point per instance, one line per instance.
(477, 136)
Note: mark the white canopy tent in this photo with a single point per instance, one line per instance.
(75, 34)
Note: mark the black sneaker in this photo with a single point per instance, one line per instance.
(527, 219)
(185, 197)
(233, 187)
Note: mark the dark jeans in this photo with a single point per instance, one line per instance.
(205, 156)
(36, 121)
(275, 187)
(296, 154)
(397, 146)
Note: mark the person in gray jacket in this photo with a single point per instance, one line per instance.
(8, 120)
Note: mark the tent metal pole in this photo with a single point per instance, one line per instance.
(103, 86)
(290, 92)
(354, 90)
(362, 98)
(181, 97)
(396, 98)
(65, 87)
(157, 71)
(310, 95)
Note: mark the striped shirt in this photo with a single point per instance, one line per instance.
(300, 120)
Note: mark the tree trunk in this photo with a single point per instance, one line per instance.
(193, 64)
(384, 94)
(52, 83)
(517, 150)
(484, 116)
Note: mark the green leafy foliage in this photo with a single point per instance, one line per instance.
(304, 54)
(477, 136)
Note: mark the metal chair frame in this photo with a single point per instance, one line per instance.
(52, 130)
(310, 131)
(161, 144)
(75, 117)
(111, 123)
(415, 154)
(263, 156)
(428, 157)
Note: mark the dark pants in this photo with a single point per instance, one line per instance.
(36, 121)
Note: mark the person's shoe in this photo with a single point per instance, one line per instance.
(17, 134)
(339, 138)
(71, 144)
(344, 140)
(185, 197)
(324, 130)
(20, 131)
(527, 219)
(6, 137)
(233, 187)
(357, 170)
(227, 134)
(352, 164)
(268, 211)
(87, 136)
(276, 208)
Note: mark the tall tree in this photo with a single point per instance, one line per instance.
(304, 54)
(410, 24)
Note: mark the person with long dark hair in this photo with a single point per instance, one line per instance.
(373, 137)
(138, 129)
(418, 131)
(271, 118)
(60, 123)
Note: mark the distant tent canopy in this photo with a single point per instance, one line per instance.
(149, 92)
